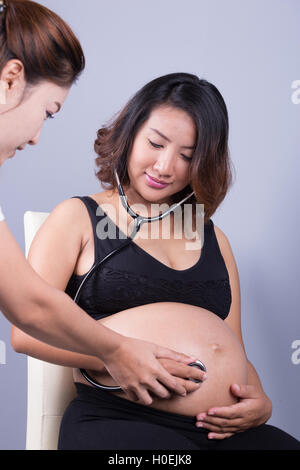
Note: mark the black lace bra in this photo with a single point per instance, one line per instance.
(132, 277)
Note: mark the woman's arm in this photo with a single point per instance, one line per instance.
(25, 344)
(43, 311)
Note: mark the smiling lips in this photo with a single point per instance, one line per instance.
(155, 183)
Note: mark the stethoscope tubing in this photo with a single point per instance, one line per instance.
(138, 221)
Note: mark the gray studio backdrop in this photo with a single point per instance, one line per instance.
(250, 51)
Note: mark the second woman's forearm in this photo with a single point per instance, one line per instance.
(70, 326)
(26, 344)
(44, 312)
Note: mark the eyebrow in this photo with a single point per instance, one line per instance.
(58, 106)
(166, 138)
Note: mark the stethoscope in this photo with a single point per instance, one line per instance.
(138, 221)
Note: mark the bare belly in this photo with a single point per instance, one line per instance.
(193, 331)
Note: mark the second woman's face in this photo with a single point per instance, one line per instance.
(23, 122)
(162, 149)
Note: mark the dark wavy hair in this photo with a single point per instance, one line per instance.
(210, 168)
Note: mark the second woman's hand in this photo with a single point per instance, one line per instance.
(134, 365)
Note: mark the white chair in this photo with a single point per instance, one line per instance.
(50, 387)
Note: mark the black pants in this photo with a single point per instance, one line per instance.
(99, 420)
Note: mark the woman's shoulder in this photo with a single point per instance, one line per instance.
(69, 210)
(72, 214)
(75, 207)
(69, 219)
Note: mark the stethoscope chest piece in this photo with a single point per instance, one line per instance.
(200, 365)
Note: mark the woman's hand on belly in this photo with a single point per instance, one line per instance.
(180, 371)
(253, 409)
(183, 373)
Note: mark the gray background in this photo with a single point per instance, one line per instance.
(250, 51)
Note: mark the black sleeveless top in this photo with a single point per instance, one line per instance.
(132, 277)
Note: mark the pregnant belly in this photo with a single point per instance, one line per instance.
(193, 331)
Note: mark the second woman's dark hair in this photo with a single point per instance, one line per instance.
(210, 168)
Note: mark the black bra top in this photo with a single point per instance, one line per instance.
(133, 277)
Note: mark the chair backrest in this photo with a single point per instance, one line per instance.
(50, 387)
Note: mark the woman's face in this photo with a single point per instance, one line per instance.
(23, 115)
(162, 149)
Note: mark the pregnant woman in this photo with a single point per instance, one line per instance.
(170, 139)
